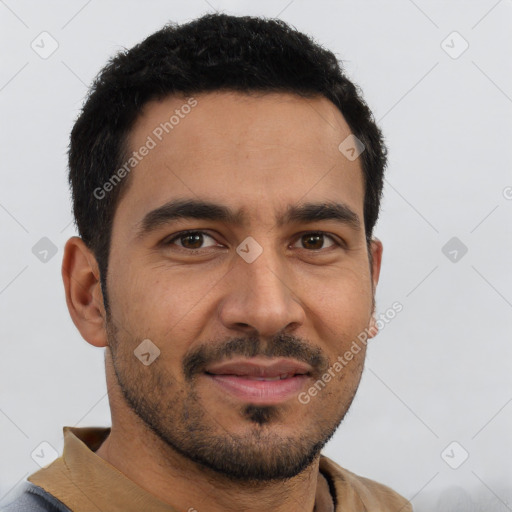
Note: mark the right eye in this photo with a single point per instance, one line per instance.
(192, 240)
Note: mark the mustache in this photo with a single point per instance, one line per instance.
(281, 345)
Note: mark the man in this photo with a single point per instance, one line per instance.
(226, 179)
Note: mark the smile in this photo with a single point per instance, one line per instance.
(258, 380)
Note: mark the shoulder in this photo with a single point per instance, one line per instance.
(33, 498)
(373, 495)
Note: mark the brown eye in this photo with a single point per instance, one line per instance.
(315, 241)
(191, 240)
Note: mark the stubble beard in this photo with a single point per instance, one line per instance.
(174, 413)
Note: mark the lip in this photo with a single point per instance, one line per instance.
(244, 379)
(259, 367)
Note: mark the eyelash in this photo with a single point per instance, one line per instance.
(169, 241)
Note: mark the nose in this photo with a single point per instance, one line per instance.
(260, 298)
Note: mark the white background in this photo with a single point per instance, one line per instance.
(439, 372)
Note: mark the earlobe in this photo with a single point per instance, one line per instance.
(84, 298)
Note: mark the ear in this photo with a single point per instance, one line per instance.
(376, 248)
(84, 298)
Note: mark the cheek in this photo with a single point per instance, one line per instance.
(164, 305)
(341, 307)
(336, 388)
(130, 299)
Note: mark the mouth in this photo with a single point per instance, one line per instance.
(260, 381)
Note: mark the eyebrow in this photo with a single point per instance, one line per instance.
(206, 210)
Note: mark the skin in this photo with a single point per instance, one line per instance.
(258, 153)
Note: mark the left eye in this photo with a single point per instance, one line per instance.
(191, 240)
(315, 241)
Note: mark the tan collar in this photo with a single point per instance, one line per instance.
(85, 482)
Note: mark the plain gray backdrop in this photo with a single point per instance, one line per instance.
(433, 414)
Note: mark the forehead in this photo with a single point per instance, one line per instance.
(253, 152)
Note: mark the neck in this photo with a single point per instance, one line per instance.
(185, 485)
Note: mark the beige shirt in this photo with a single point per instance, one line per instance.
(85, 482)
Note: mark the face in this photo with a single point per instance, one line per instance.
(223, 258)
